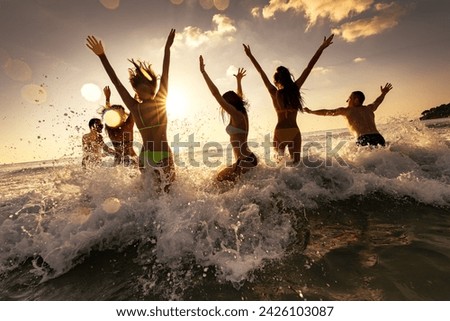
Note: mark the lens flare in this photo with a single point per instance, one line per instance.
(206, 4)
(110, 4)
(111, 205)
(91, 92)
(17, 70)
(113, 118)
(34, 94)
(221, 4)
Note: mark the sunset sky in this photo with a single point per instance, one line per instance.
(45, 62)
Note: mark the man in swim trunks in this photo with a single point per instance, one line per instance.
(93, 145)
(360, 118)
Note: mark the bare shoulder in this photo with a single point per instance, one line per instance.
(341, 111)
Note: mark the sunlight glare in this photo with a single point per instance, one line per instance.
(112, 118)
(91, 92)
(177, 2)
(176, 103)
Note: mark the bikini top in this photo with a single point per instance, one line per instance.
(231, 130)
(286, 111)
(160, 122)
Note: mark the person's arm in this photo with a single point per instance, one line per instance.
(270, 87)
(105, 147)
(325, 112)
(240, 74)
(97, 48)
(326, 42)
(215, 92)
(107, 93)
(164, 84)
(379, 100)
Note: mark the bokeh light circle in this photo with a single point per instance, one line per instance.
(91, 92)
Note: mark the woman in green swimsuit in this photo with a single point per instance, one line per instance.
(233, 104)
(148, 110)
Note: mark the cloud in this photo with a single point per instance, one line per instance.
(359, 59)
(195, 37)
(321, 70)
(382, 16)
(334, 10)
(387, 17)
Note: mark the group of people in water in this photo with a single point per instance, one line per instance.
(147, 109)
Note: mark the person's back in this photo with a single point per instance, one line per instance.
(287, 101)
(155, 158)
(360, 118)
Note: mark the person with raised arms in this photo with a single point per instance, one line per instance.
(148, 108)
(360, 118)
(233, 104)
(287, 101)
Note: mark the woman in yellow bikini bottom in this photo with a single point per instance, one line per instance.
(162, 164)
(290, 138)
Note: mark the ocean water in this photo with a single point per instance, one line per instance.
(349, 223)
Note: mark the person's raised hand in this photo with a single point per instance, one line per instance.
(95, 45)
(202, 64)
(327, 41)
(247, 50)
(240, 74)
(170, 38)
(386, 88)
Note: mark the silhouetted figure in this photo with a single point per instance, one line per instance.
(149, 111)
(287, 101)
(119, 126)
(360, 118)
(234, 105)
(93, 145)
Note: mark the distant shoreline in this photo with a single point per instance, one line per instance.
(442, 111)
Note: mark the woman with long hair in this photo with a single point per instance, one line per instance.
(234, 106)
(148, 108)
(287, 101)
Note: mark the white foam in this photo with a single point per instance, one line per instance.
(61, 214)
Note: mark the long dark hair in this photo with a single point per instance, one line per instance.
(289, 96)
(236, 101)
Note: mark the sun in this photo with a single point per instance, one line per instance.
(176, 103)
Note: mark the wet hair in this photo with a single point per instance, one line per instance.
(142, 74)
(116, 107)
(236, 101)
(360, 96)
(94, 121)
(289, 96)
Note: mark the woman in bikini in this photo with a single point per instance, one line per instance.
(234, 105)
(119, 126)
(287, 101)
(148, 110)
